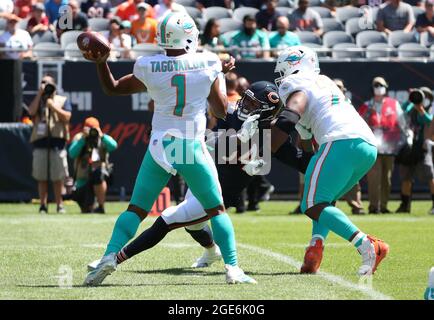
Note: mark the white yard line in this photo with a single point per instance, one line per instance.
(374, 294)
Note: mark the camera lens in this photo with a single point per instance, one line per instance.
(416, 96)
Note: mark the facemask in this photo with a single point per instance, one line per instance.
(427, 103)
(380, 91)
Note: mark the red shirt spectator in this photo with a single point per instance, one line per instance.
(38, 20)
(23, 8)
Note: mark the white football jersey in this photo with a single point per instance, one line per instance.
(180, 87)
(328, 115)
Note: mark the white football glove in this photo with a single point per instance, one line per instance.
(253, 167)
(304, 133)
(249, 128)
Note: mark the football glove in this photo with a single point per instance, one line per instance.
(249, 128)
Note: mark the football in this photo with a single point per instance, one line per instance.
(93, 42)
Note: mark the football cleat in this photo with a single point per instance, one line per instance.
(92, 266)
(208, 258)
(313, 257)
(235, 274)
(106, 267)
(373, 251)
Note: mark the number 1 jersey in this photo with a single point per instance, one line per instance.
(179, 87)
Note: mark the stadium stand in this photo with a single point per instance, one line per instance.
(398, 37)
(331, 38)
(99, 24)
(340, 51)
(68, 37)
(229, 24)
(47, 50)
(331, 24)
(72, 51)
(285, 11)
(343, 14)
(364, 38)
(353, 26)
(44, 36)
(193, 12)
(412, 50)
(241, 12)
(145, 49)
(216, 13)
(318, 48)
(322, 11)
(379, 50)
(308, 37)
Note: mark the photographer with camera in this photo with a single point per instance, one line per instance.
(51, 114)
(90, 149)
(415, 159)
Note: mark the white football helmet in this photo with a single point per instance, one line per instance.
(177, 30)
(294, 60)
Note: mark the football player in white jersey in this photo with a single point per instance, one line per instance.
(181, 83)
(316, 107)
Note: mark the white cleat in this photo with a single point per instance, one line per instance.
(367, 250)
(92, 266)
(106, 266)
(235, 274)
(208, 258)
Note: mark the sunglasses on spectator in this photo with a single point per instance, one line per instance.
(378, 85)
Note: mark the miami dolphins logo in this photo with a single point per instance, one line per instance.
(294, 58)
(188, 27)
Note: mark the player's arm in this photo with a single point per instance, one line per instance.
(285, 123)
(217, 100)
(126, 85)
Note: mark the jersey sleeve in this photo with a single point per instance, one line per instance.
(215, 70)
(292, 84)
(140, 69)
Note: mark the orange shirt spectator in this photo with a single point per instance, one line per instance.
(128, 10)
(144, 29)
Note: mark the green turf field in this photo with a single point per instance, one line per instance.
(35, 248)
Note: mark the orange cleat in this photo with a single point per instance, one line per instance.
(381, 250)
(313, 257)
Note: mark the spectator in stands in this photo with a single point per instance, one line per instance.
(22, 8)
(425, 21)
(250, 38)
(52, 9)
(15, 39)
(97, 8)
(282, 38)
(418, 161)
(79, 20)
(51, 115)
(385, 117)
(126, 30)
(395, 15)
(266, 18)
(128, 10)
(306, 19)
(6, 7)
(165, 6)
(144, 29)
(90, 150)
(211, 34)
(202, 4)
(38, 21)
(119, 42)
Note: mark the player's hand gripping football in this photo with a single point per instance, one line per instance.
(253, 167)
(249, 128)
(97, 58)
(228, 64)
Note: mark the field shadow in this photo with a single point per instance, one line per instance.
(204, 272)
